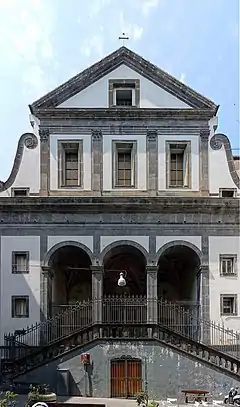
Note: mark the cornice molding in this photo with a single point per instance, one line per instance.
(119, 205)
(131, 114)
(28, 140)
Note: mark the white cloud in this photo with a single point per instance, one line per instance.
(25, 37)
(93, 45)
(132, 30)
(182, 77)
(147, 6)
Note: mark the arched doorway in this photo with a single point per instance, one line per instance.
(72, 281)
(124, 304)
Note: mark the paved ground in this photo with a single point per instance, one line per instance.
(108, 402)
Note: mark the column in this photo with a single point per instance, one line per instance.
(97, 291)
(97, 157)
(46, 292)
(205, 302)
(152, 162)
(204, 172)
(152, 272)
(44, 162)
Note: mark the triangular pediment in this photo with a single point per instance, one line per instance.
(124, 57)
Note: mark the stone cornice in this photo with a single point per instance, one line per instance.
(119, 205)
(124, 113)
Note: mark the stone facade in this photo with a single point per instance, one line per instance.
(102, 221)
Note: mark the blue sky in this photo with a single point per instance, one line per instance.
(45, 42)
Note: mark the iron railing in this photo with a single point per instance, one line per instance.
(131, 310)
(124, 310)
(187, 322)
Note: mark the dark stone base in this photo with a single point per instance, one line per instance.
(164, 372)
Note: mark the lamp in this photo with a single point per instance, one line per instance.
(122, 276)
(122, 280)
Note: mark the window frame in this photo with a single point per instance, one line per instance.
(115, 149)
(225, 257)
(20, 297)
(120, 84)
(14, 264)
(126, 88)
(61, 164)
(187, 172)
(14, 189)
(233, 190)
(235, 304)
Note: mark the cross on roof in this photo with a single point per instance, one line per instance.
(123, 37)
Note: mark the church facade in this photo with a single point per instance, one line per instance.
(123, 172)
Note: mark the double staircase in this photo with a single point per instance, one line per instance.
(122, 319)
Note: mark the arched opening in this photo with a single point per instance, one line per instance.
(178, 275)
(125, 258)
(72, 279)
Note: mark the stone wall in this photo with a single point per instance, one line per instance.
(164, 372)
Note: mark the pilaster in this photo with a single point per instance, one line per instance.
(205, 303)
(152, 272)
(97, 158)
(46, 289)
(152, 162)
(97, 291)
(204, 170)
(44, 161)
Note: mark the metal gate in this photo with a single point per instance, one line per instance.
(126, 377)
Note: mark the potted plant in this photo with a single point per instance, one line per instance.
(40, 393)
(143, 400)
(8, 399)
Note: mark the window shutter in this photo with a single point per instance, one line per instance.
(186, 167)
(133, 165)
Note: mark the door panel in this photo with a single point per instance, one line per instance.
(126, 378)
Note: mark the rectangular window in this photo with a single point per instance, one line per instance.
(70, 164)
(124, 165)
(228, 264)
(20, 262)
(124, 92)
(178, 165)
(124, 97)
(19, 192)
(20, 306)
(227, 192)
(228, 304)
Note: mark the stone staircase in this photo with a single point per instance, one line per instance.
(176, 328)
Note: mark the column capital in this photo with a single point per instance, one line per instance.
(47, 272)
(151, 135)
(44, 135)
(151, 269)
(204, 134)
(96, 134)
(97, 269)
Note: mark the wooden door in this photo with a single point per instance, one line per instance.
(126, 378)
